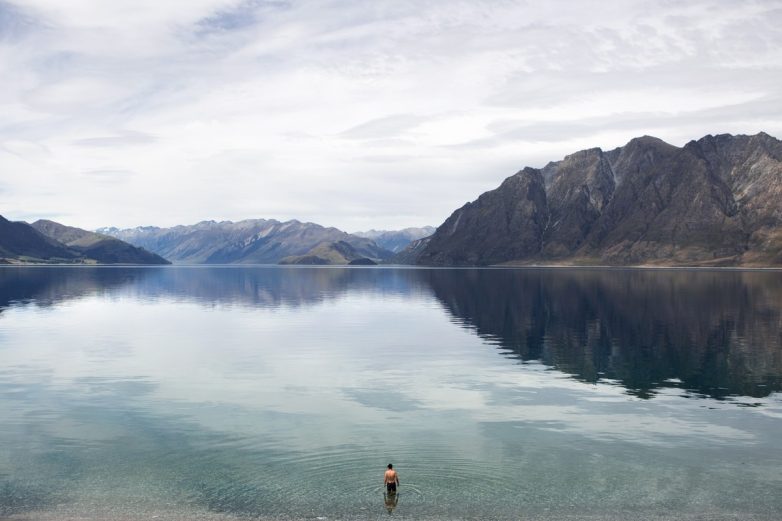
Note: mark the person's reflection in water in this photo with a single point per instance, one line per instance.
(390, 499)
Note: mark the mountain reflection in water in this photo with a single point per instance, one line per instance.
(713, 333)
(717, 333)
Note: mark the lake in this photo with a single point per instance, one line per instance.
(283, 392)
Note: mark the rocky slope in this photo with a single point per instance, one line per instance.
(21, 242)
(51, 242)
(253, 241)
(102, 248)
(410, 254)
(715, 201)
(396, 240)
(329, 253)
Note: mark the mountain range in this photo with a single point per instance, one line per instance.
(252, 241)
(396, 240)
(716, 201)
(49, 242)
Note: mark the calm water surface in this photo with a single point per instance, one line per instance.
(269, 392)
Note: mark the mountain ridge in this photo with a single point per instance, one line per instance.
(715, 201)
(396, 240)
(99, 247)
(48, 242)
(329, 253)
(21, 242)
(250, 241)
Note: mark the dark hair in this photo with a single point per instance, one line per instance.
(390, 466)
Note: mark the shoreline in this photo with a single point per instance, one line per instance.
(504, 266)
(378, 514)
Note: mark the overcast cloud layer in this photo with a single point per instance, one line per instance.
(352, 114)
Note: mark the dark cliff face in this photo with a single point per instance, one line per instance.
(668, 205)
(578, 188)
(751, 167)
(517, 213)
(716, 201)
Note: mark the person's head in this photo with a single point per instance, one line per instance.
(390, 466)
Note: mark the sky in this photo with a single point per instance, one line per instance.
(355, 114)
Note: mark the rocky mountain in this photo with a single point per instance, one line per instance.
(99, 247)
(253, 241)
(21, 242)
(396, 240)
(412, 251)
(715, 201)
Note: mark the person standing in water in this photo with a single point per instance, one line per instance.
(391, 479)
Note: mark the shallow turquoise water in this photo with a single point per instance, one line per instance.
(283, 392)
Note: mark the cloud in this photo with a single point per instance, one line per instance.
(234, 17)
(755, 111)
(124, 138)
(14, 22)
(358, 115)
(108, 176)
(385, 127)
